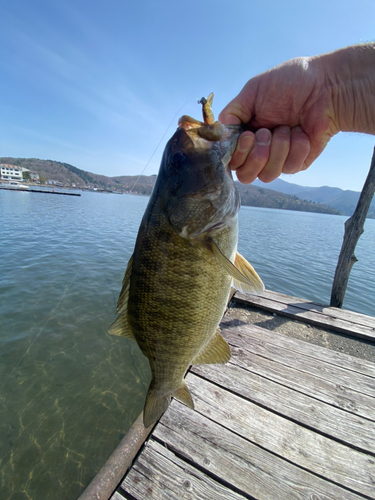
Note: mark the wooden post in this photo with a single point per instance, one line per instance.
(353, 230)
(112, 472)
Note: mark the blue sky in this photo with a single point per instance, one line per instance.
(97, 83)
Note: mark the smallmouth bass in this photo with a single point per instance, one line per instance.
(178, 280)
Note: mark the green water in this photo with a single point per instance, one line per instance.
(68, 390)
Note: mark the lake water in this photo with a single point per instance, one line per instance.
(68, 390)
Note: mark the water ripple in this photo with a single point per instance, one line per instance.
(69, 391)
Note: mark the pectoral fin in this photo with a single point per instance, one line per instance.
(247, 270)
(217, 351)
(245, 278)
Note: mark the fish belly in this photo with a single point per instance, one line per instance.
(178, 294)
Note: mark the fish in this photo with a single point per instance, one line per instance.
(185, 261)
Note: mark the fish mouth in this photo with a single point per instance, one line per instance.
(187, 122)
(210, 132)
(208, 129)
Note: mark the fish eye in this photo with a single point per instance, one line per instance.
(177, 159)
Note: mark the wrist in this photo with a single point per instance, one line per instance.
(350, 77)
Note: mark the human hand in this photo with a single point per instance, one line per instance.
(290, 112)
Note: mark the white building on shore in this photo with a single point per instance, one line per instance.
(11, 172)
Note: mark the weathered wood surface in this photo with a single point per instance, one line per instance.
(158, 466)
(354, 227)
(105, 481)
(350, 323)
(284, 419)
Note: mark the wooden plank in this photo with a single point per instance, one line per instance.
(244, 466)
(301, 408)
(325, 391)
(308, 305)
(322, 456)
(117, 496)
(349, 363)
(159, 473)
(308, 316)
(303, 361)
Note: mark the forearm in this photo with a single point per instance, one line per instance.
(350, 76)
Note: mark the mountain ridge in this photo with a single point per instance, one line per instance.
(69, 175)
(342, 200)
(277, 194)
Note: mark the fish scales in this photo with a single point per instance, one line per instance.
(177, 284)
(178, 280)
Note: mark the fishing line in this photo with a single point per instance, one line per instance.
(70, 284)
(173, 119)
(43, 327)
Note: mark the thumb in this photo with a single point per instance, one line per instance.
(226, 117)
(236, 112)
(230, 115)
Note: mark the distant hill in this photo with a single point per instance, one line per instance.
(344, 201)
(68, 175)
(251, 195)
(254, 196)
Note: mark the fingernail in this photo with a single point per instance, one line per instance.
(245, 143)
(229, 119)
(263, 137)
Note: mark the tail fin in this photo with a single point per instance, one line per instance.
(156, 405)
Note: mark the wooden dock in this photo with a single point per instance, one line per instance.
(284, 419)
(35, 189)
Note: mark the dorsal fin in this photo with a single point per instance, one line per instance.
(124, 294)
(121, 326)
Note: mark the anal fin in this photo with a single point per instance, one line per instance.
(183, 395)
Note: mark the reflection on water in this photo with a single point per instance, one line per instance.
(296, 253)
(68, 390)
